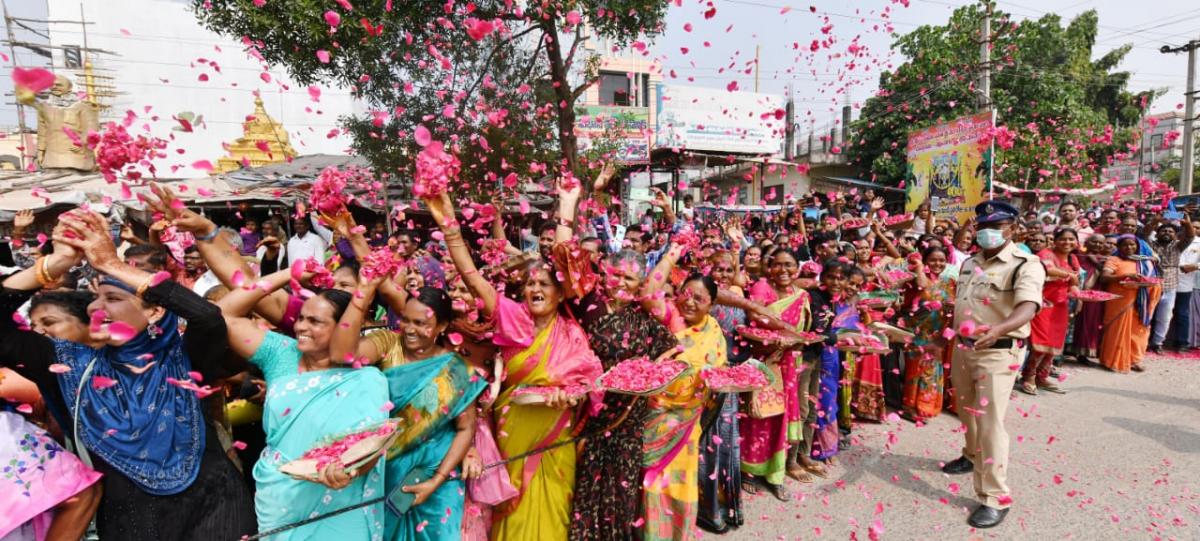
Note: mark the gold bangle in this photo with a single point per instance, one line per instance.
(39, 271)
(42, 274)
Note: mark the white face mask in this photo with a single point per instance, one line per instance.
(989, 239)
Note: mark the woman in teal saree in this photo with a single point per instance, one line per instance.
(432, 392)
(310, 401)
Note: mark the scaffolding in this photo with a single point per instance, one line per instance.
(78, 60)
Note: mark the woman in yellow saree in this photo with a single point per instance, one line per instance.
(540, 347)
(671, 438)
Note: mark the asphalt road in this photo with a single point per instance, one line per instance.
(1117, 457)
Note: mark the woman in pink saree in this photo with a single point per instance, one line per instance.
(766, 441)
(541, 346)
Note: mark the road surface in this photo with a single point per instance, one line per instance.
(1117, 457)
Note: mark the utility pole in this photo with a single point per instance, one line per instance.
(21, 127)
(1188, 167)
(756, 51)
(985, 88)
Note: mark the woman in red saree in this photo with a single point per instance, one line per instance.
(1049, 326)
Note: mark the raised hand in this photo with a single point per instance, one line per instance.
(87, 232)
(607, 173)
(173, 210)
(22, 221)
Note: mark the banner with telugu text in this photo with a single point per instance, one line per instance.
(948, 167)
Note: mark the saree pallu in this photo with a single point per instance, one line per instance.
(720, 474)
(1085, 340)
(924, 382)
(845, 417)
(545, 481)
(826, 433)
(671, 438)
(38, 474)
(868, 400)
(302, 411)
(427, 396)
(765, 442)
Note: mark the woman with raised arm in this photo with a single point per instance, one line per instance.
(165, 474)
(671, 436)
(277, 307)
(608, 477)
(304, 384)
(541, 346)
(433, 392)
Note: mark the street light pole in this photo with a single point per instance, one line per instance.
(1189, 115)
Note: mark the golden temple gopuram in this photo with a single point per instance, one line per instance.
(258, 131)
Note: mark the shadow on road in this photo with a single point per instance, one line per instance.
(1139, 395)
(1180, 439)
(904, 471)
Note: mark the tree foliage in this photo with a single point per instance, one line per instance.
(1071, 115)
(495, 79)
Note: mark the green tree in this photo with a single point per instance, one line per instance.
(1070, 114)
(497, 78)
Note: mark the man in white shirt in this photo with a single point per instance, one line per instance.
(1187, 308)
(306, 244)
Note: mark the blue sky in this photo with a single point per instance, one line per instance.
(820, 83)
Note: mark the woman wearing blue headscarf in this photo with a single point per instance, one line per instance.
(120, 393)
(1126, 325)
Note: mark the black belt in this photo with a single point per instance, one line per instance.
(1007, 343)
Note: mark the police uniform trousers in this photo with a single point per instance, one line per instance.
(983, 382)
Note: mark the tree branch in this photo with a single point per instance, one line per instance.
(579, 38)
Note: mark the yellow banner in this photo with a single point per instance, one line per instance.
(947, 166)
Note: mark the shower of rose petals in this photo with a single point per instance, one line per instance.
(203, 165)
(314, 93)
(436, 169)
(328, 193)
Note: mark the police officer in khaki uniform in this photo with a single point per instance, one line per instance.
(999, 290)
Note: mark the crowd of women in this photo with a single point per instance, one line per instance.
(163, 412)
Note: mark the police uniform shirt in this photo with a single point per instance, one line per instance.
(990, 289)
